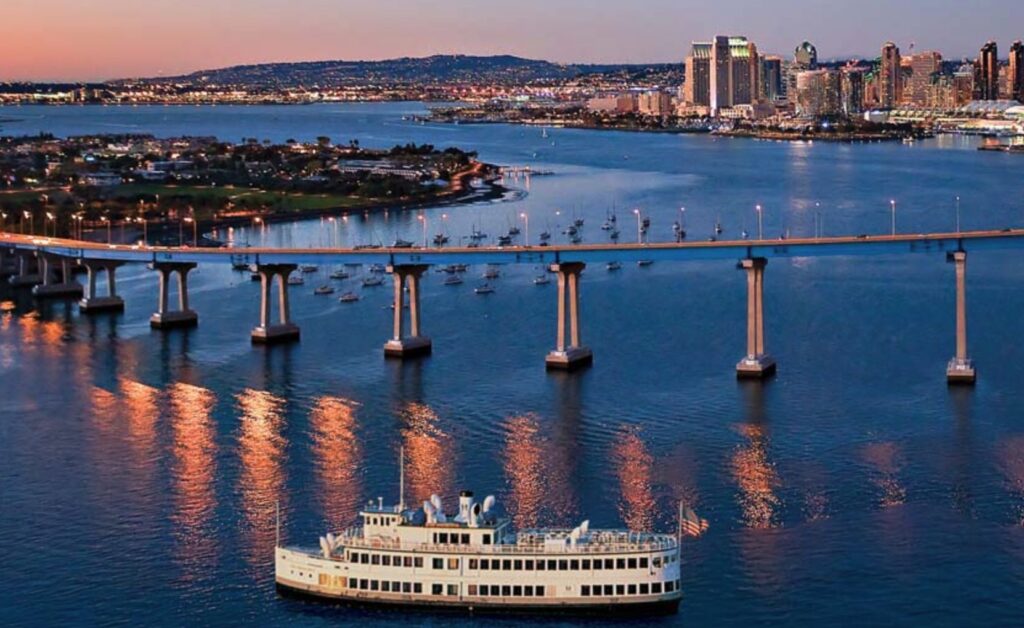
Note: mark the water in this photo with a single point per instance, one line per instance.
(139, 470)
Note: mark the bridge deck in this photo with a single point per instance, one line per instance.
(937, 243)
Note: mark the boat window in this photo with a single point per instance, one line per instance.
(417, 587)
(609, 589)
(632, 589)
(395, 586)
(506, 590)
(518, 566)
(632, 563)
(539, 590)
(540, 565)
(517, 590)
(506, 565)
(487, 539)
(484, 589)
(442, 538)
(485, 564)
(473, 563)
(435, 538)
(419, 561)
(655, 588)
(585, 590)
(643, 563)
(552, 565)
(586, 563)
(657, 562)
(385, 586)
(436, 589)
(453, 589)
(465, 539)
(453, 563)
(620, 563)
(352, 583)
(644, 588)
(375, 559)
(563, 565)
(471, 589)
(609, 563)
(374, 585)
(598, 564)
(528, 564)
(364, 584)
(574, 565)
(364, 559)
(438, 563)
(528, 590)
(407, 587)
(407, 561)
(386, 560)
(620, 589)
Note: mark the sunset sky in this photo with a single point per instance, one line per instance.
(101, 39)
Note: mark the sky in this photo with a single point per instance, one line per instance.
(103, 39)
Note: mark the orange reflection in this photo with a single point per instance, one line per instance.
(634, 465)
(104, 406)
(141, 408)
(261, 450)
(886, 460)
(427, 453)
(756, 478)
(337, 457)
(194, 469)
(540, 492)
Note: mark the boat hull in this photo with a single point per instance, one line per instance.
(632, 608)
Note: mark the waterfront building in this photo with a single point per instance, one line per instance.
(818, 93)
(924, 67)
(697, 89)
(772, 86)
(722, 73)
(1016, 71)
(986, 83)
(654, 103)
(890, 77)
(805, 57)
(851, 90)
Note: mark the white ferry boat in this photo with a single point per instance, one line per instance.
(473, 561)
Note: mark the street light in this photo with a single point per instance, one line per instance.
(818, 228)
(195, 230)
(3, 225)
(106, 219)
(958, 214)
(50, 217)
(526, 220)
(78, 226)
(892, 204)
(145, 230)
(682, 224)
(31, 222)
(423, 219)
(760, 222)
(639, 233)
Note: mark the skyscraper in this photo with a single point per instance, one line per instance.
(923, 66)
(890, 79)
(697, 90)
(851, 91)
(1017, 71)
(771, 78)
(986, 82)
(805, 57)
(722, 73)
(818, 93)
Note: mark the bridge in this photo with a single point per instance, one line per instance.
(46, 264)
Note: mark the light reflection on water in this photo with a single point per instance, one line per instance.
(261, 481)
(338, 458)
(193, 473)
(429, 454)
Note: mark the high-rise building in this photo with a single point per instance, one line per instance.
(654, 103)
(1017, 71)
(818, 93)
(986, 75)
(890, 77)
(851, 90)
(805, 57)
(722, 73)
(697, 90)
(923, 68)
(771, 78)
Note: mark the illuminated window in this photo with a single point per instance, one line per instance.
(453, 563)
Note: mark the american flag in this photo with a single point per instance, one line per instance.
(690, 524)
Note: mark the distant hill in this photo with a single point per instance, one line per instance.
(435, 70)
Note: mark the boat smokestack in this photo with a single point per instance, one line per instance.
(465, 503)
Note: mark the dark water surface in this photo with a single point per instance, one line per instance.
(139, 470)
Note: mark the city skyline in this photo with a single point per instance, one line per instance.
(73, 41)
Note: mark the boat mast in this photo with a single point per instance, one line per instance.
(401, 479)
(277, 525)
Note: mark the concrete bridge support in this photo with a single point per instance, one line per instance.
(51, 287)
(284, 330)
(757, 364)
(164, 317)
(27, 269)
(413, 344)
(572, 354)
(93, 302)
(961, 368)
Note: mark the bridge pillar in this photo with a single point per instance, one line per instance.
(27, 270)
(284, 330)
(92, 302)
(413, 344)
(164, 317)
(757, 364)
(571, 355)
(960, 369)
(49, 266)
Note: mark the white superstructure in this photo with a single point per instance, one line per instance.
(472, 559)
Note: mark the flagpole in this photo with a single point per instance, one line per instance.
(277, 525)
(679, 525)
